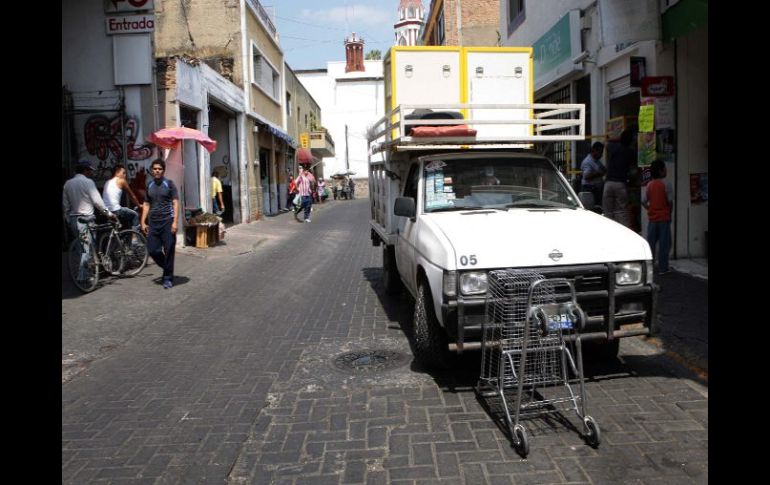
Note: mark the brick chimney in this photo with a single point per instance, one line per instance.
(354, 54)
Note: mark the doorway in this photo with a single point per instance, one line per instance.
(264, 180)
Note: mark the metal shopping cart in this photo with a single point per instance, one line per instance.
(531, 357)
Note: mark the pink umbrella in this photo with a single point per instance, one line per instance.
(170, 137)
(304, 156)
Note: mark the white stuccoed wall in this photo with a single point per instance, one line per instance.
(354, 99)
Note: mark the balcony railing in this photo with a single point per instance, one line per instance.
(264, 17)
(322, 143)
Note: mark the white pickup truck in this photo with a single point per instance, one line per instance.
(449, 209)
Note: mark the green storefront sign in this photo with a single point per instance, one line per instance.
(553, 47)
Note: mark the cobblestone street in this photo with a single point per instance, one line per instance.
(229, 377)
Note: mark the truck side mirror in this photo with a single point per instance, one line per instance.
(404, 207)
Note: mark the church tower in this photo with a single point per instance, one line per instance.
(410, 20)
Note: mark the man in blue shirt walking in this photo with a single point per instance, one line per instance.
(161, 205)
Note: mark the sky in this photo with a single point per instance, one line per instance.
(312, 32)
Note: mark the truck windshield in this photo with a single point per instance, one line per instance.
(493, 183)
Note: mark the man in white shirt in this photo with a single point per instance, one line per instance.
(113, 192)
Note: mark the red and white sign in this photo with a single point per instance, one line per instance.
(130, 24)
(658, 86)
(114, 6)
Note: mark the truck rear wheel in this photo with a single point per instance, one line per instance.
(390, 278)
(431, 344)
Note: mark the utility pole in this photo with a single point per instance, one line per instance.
(347, 163)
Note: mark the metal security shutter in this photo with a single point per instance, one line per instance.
(620, 86)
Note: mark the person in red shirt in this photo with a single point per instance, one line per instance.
(657, 198)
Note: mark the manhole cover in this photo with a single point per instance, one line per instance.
(367, 361)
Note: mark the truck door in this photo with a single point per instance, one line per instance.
(406, 230)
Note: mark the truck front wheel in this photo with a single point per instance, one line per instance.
(390, 278)
(431, 344)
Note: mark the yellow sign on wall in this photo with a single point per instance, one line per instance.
(304, 140)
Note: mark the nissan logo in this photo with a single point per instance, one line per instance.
(555, 255)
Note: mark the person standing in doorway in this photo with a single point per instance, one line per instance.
(218, 206)
(593, 171)
(658, 199)
(113, 192)
(162, 209)
(615, 196)
(305, 182)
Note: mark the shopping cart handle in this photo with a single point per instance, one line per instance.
(542, 321)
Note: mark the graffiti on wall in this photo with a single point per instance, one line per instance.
(103, 139)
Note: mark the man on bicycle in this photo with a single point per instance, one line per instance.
(113, 193)
(80, 198)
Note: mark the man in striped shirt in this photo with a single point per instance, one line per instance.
(305, 186)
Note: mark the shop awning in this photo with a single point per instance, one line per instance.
(274, 130)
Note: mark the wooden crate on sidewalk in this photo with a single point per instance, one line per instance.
(204, 236)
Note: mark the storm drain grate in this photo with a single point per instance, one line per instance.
(368, 361)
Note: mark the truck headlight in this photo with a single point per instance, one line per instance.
(450, 283)
(473, 283)
(629, 274)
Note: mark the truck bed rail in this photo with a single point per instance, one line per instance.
(389, 132)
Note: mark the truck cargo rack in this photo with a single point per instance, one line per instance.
(389, 132)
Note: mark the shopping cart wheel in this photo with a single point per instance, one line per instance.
(593, 436)
(520, 440)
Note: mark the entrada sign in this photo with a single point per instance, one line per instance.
(130, 24)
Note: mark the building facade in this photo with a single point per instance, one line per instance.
(351, 101)
(239, 40)
(108, 86)
(462, 22)
(617, 56)
(303, 116)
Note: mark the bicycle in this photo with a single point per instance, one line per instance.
(117, 252)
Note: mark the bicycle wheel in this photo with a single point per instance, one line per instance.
(111, 249)
(134, 248)
(87, 277)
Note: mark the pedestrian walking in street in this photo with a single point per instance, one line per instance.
(322, 190)
(217, 203)
(292, 192)
(113, 194)
(592, 172)
(305, 182)
(615, 196)
(657, 198)
(162, 209)
(352, 187)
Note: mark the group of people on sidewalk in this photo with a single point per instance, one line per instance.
(159, 210)
(609, 188)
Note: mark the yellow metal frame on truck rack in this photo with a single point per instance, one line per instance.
(420, 48)
(528, 50)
